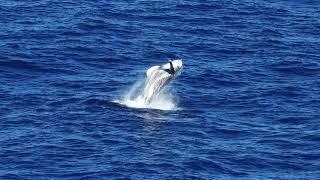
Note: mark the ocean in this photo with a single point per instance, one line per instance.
(245, 106)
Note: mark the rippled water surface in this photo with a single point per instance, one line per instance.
(247, 99)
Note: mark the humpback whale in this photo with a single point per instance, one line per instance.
(158, 77)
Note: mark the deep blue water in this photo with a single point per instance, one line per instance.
(249, 93)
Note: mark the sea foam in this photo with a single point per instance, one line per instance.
(133, 98)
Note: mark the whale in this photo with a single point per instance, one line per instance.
(158, 77)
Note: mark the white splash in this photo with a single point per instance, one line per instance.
(134, 99)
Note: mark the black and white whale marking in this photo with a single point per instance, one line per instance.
(158, 77)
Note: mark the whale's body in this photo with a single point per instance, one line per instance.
(158, 77)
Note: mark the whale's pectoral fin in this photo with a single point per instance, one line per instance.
(171, 70)
(152, 69)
